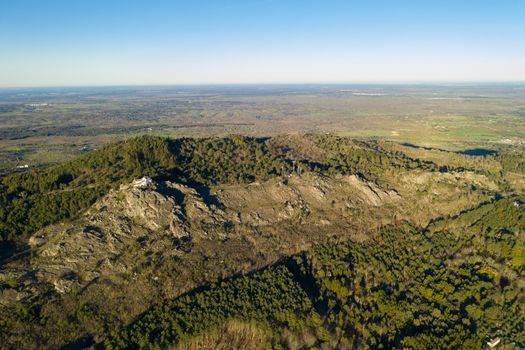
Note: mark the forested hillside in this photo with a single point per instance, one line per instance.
(291, 242)
(405, 289)
(31, 200)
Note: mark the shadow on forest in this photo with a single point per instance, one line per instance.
(468, 152)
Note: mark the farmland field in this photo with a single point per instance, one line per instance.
(41, 126)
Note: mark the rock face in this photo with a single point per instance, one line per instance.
(133, 223)
(154, 210)
(115, 232)
(169, 237)
(370, 192)
(308, 199)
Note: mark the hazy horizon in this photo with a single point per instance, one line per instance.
(429, 83)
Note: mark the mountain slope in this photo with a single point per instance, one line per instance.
(107, 251)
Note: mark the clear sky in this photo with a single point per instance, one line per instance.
(119, 42)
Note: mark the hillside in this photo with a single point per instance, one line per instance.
(298, 241)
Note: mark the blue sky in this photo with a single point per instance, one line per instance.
(94, 42)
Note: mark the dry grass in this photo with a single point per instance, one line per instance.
(232, 335)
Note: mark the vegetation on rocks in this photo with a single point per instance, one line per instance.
(405, 289)
(293, 242)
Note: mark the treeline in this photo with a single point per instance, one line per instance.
(406, 289)
(31, 200)
(454, 161)
(498, 229)
(366, 158)
(513, 161)
(22, 216)
(234, 159)
(494, 164)
(272, 297)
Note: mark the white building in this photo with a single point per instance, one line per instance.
(143, 182)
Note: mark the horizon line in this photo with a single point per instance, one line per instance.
(210, 84)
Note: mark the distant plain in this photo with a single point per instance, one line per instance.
(43, 126)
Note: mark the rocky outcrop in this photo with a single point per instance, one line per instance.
(116, 233)
(153, 209)
(145, 232)
(369, 192)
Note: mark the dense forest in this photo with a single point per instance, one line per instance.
(406, 289)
